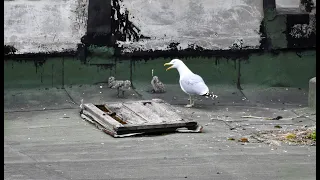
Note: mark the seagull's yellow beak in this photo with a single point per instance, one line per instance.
(168, 64)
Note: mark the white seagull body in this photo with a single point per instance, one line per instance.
(190, 83)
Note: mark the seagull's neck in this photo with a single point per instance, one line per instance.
(183, 70)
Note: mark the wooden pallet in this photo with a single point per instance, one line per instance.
(137, 117)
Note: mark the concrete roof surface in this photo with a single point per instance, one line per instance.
(45, 138)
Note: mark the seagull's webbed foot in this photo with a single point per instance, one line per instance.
(188, 105)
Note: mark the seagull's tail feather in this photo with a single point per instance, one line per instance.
(210, 94)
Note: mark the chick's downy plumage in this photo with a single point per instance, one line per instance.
(157, 85)
(120, 85)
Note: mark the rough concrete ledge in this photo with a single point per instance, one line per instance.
(312, 93)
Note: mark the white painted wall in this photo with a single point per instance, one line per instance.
(211, 24)
(44, 25)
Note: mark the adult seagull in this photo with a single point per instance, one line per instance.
(190, 83)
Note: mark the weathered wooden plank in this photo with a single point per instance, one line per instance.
(127, 115)
(156, 127)
(143, 111)
(165, 111)
(100, 116)
(105, 128)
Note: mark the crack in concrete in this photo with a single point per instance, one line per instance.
(72, 100)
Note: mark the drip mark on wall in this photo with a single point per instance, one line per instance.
(122, 28)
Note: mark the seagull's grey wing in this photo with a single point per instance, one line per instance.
(193, 84)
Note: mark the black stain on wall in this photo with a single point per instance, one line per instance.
(107, 24)
(39, 63)
(82, 53)
(173, 46)
(121, 27)
(9, 50)
(189, 52)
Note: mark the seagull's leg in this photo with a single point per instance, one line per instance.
(122, 93)
(190, 102)
(117, 92)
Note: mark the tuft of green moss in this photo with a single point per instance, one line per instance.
(291, 136)
(312, 135)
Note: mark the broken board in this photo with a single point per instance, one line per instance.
(137, 117)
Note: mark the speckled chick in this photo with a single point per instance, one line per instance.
(120, 85)
(157, 85)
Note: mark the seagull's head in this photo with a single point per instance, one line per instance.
(174, 63)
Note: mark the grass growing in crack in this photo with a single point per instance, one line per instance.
(312, 135)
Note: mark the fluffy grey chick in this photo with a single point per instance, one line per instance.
(126, 85)
(157, 85)
(120, 85)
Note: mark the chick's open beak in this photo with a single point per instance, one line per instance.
(167, 64)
